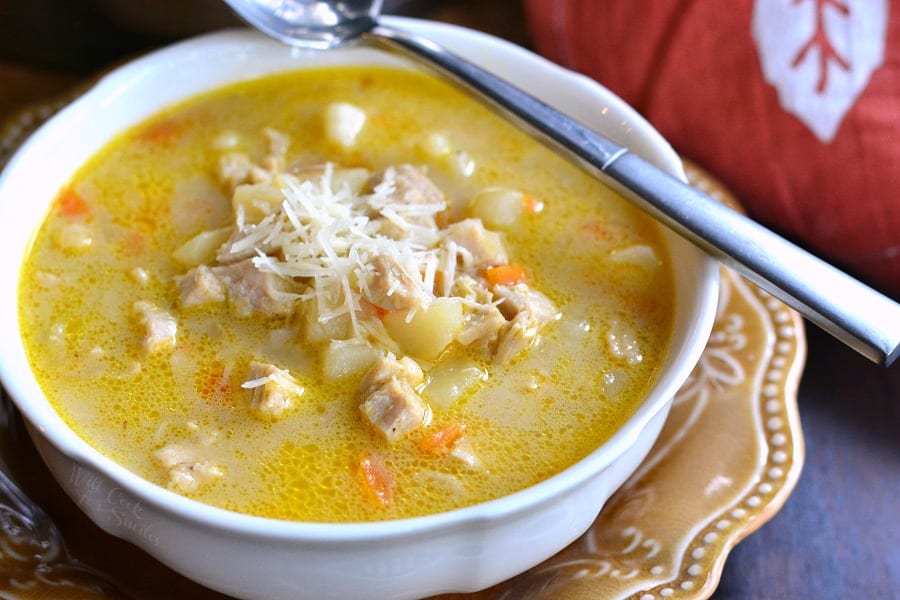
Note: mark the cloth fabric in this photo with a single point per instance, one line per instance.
(793, 104)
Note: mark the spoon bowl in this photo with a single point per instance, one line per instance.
(859, 316)
(313, 24)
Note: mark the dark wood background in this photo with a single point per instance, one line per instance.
(838, 536)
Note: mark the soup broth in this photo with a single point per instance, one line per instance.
(393, 367)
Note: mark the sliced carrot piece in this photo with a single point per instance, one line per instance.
(133, 243)
(369, 308)
(72, 204)
(599, 231)
(441, 442)
(375, 478)
(506, 274)
(213, 383)
(164, 132)
(532, 204)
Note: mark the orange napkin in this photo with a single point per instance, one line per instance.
(794, 104)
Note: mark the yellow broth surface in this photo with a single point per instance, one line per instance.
(154, 187)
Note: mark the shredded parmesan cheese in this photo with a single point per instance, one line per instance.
(327, 235)
(358, 249)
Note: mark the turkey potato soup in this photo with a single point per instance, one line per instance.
(339, 295)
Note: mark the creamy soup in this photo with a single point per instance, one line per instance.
(339, 295)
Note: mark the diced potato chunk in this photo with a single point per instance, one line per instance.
(343, 123)
(227, 140)
(348, 357)
(436, 145)
(352, 178)
(336, 328)
(614, 382)
(201, 249)
(74, 236)
(497, 207)
(639, 255)
(450, 379)
(623, 343)
(198, 203)
(464, 452)
(462, 163)
(256, 200)
(429, 331)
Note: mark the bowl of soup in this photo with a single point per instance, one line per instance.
(321, 325)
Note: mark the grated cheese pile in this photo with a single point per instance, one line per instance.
(325, 233)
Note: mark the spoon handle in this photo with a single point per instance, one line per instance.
(859, 316)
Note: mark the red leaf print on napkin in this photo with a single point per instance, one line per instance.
(820, 41)
(820, 54)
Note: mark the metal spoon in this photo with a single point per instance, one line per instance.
(859, 316)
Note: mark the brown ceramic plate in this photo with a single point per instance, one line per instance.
(726, 461)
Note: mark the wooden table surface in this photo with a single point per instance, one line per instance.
(838, 536)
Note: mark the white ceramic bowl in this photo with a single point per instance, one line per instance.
(252, 557)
